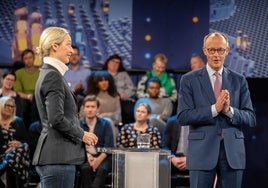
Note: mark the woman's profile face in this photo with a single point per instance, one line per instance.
(103, 85)
(64, 50)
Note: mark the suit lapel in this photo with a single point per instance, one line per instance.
(47, 66)
(206, 85)
(67, 86)
(226, 79)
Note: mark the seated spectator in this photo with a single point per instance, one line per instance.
(127, 137)
(76, 75)
(197, 62)
(101, 84)
(26, 79)
(176, 140)
(124, 85)
(97, 167)
(14, 148)
(161, 107)
(168, 86)
(8, 81)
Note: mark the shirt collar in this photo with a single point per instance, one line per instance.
(60, 66)
(212, 71)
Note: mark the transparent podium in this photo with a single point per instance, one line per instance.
(142, 168)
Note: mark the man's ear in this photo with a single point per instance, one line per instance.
(227, 50)
(204, 51)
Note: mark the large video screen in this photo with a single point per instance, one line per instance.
(137, 30)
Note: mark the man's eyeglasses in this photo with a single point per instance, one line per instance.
(212, 51)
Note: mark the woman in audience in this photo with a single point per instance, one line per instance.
(161, 107)
(127, 137)
(101, 84)
(124, 85)
(8, 81)
(14, 150)
(123, 82)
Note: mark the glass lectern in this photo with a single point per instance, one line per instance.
(142, 168)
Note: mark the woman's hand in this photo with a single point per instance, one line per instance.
(90, 138)
(12, 144)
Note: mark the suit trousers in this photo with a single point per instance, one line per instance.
(227, 176)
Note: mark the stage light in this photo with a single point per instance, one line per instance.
(195, 19)
(147, 55)
(148, 37)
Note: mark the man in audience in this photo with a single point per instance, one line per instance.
(77, 74)
(196, 62)
(26, 79)
(98, 165)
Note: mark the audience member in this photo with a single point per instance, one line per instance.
(124, 85)
(101, 84)
(14, 148)
(216, 116)
(97, 167)
(77, 75)
(168, 86)
(161, 107)
(26, 78)
(8, 81)
(127, 137)
(196, 62)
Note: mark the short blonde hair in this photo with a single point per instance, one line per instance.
(49, 36)
(160, 57)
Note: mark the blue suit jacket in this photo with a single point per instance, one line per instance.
(195, 99)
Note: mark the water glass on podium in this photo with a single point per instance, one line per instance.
(143, 141)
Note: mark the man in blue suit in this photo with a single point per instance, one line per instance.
(216, 141)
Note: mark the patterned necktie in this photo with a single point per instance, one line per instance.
(217, 84)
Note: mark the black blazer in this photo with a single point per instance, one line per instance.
(60, 141)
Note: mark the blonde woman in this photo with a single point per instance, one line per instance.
(14, 150)
(60, 146)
